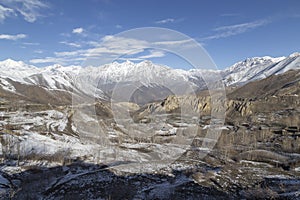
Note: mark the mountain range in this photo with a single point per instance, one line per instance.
(17, 77)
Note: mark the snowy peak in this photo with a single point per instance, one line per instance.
(255, 61)
(63, 78)
(17, 70)
(295, 54)
(11, 63)
(260, 67)
(55, 67)
(278, 59)
(129, 72)
(131, 66)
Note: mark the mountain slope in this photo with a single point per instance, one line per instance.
(259, 67)
(145, 81)
(286, 84)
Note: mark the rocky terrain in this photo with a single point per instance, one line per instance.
(51, 149)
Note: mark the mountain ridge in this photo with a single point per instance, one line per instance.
(101, 81)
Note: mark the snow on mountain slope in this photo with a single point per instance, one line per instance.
(52, 77)
(148, 73)
(291, 62)
(17, 70)
(98, 80)
(55, 77)
(145, 72)
(259, 67)
(118, 80)
(141, 82)
(6, 85)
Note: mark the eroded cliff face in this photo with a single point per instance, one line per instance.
(268, 119)
(265, 101)
(282, 110)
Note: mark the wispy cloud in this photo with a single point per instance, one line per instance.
(55, 60)
(173, 42)
(149, 55)
(12, 37)
(71, 44)
(230, 15)
(78, 30)
(168, 20)
(119, 26)
(39, 51)
(67, 53)
(227, 31)
(30, 10)
(31, 43)
(44, 60)
(153, 54)
(165, 21)
(112, 47)
(5, 12)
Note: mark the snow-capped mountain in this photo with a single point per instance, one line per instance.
(17, 70)
(259, 67)
(144, 80)
(51, 77)
(101, 81)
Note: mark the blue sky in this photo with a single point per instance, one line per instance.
(45, 32)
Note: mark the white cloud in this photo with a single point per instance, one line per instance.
(92, 43)
(119, 26)
(78, 30)
(111, 47)
(39, 51)
(165, 21)
(242, 27)
(5, 12)
(169, 20)
(119, 46)
(45, 60)
(122, 44)
(130, 59)
(61, 61)
(66, 53)
(227, 31)
(153, 54)
(12, 37)
(31, 43)
(29, 9)
(71, 44)
(174, 42)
